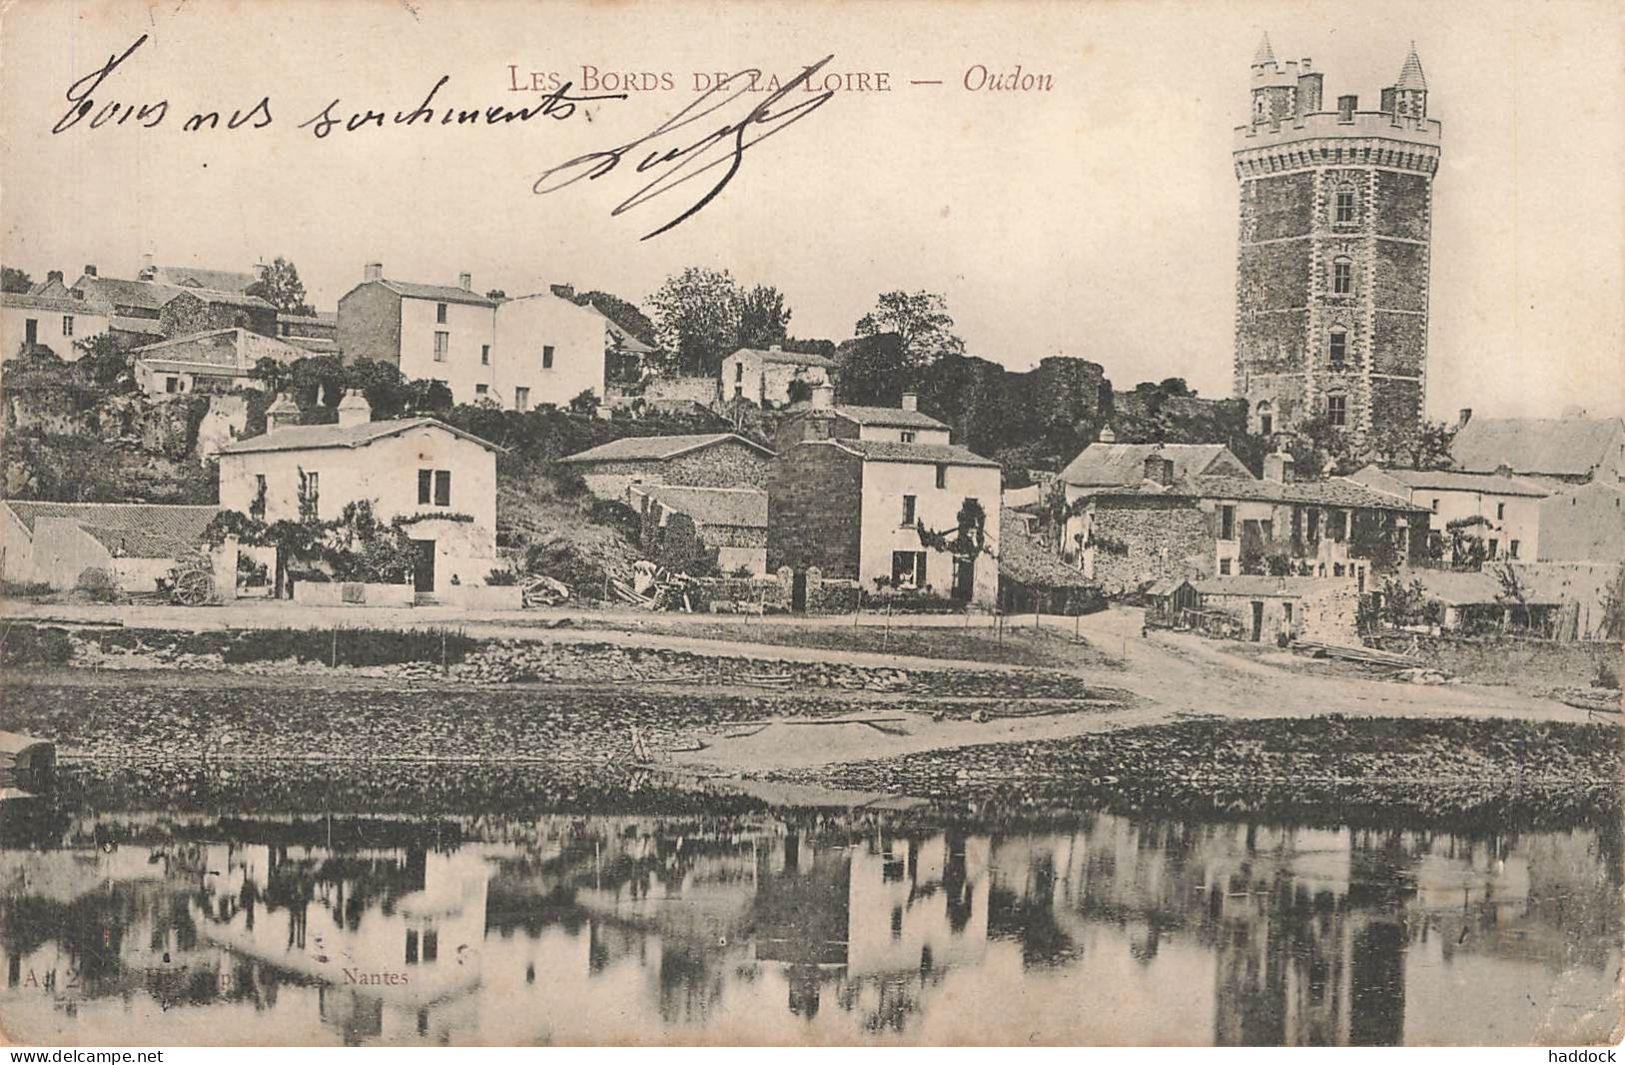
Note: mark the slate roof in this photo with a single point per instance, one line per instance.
(305, 437)
(438, 293)
(1410, 75)
(793, 358)
(658, 448)
(746, 507)
(1463, 481)
(212, 295)
(1554, 446)
(139, 530)
(893, 451)
(890, 417)
(1106, 464)
(114, 291)
(1336, 492)
(196, 277)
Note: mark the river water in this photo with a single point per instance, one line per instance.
(796, 927)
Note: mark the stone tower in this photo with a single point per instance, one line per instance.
(1332, 255)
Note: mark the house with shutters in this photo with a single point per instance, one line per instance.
(1502, 510)
(440, 480)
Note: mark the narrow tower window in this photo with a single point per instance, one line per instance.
(1338, 348)
(1337, 410)
(1266, 418)
(1345, 205)
(1342, 277)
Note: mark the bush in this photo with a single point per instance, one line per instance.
(350, 647)
(98, 583)
(25, 645)
(24, 589)
(501, 577)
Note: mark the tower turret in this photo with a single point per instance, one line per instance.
(1333, 257)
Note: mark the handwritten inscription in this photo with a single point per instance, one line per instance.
(695, 141)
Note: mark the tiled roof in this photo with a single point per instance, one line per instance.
(1024, 558)
(887, 416)
(629, 343)
(658, 448)
(1335, 492)
(1105, 464)
(713, 506)
(925, 454)
(117, 292)
(234, 299)
(320, 318)
(793, 358)
(55, 304)
(1462, 481)
(1260, 585)
(439, 293)
(1556, 446)
(306, 437)
(144, 326)
(139, 530)
(245, 348)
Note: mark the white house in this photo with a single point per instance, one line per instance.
(441, 478)
(764, 376)
(1504, 510)
(217, 360)
(444, 333)
(135, 544)
(824, 419)
(54, 322)
(548, 350)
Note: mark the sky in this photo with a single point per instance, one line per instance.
(1097, 219)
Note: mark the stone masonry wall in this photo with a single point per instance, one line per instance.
(1164, 539)
(814, 511)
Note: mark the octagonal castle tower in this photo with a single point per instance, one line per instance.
(1332, 258)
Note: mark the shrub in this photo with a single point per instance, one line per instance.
(501, 577)
(98, 583)
(24, 589)
(25, 645)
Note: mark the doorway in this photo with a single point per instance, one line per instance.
(798, 592)
(1258, 620)
(964, 579)
(423, 565)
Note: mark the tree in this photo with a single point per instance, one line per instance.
(273, 375)
(107, 363)
(799, 390)
(14, 280)
(966, 541)
(279, 285)
(495, 294)
(697, 315)
(1430, 450)
(764, 320)
(905, 335)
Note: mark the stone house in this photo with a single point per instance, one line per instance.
(238, 281)
(440, 478)
(701, 460)
(1503, 510)
(764, 376)
(732, 520)
(190, 311)
(215, 361)
(821, 418)
(1108, 463)
(1298, 608)
(851, 509)
(1585, 522)
(131, 307)
(1558, 450)
(135, 543)
(1129, 536)
(29, 322)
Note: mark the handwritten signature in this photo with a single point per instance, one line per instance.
(720, 146)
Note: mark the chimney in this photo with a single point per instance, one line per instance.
(1278, 467)
(911, 401)
(147, 267)
(1346, 106)
(775, 347)
(1159, 468)
(53, 275)
(281, 414)
(823, 397)
(1466, 416)
(90, 269)
(465, 282)
(354, 408)
(1107, 436)
(372, 272)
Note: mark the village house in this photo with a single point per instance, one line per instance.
(701, 460)
(134, 544)
(440, 480)
(764, 376)
(1569, 450)
(1500, 509)
(1585, 522)
(1266, 608)
(1129, 536)
(518, 353)
(731, 520)
(1031, 576)
(1106, 463)
(238, 281)
(29, 323)
(1500, 599)
(852, 509)
(215, 361)
(823, 419)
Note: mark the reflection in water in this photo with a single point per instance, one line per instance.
(576, 929)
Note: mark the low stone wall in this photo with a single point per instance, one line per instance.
(483, 596)
(1521, 662)
(351, 593)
